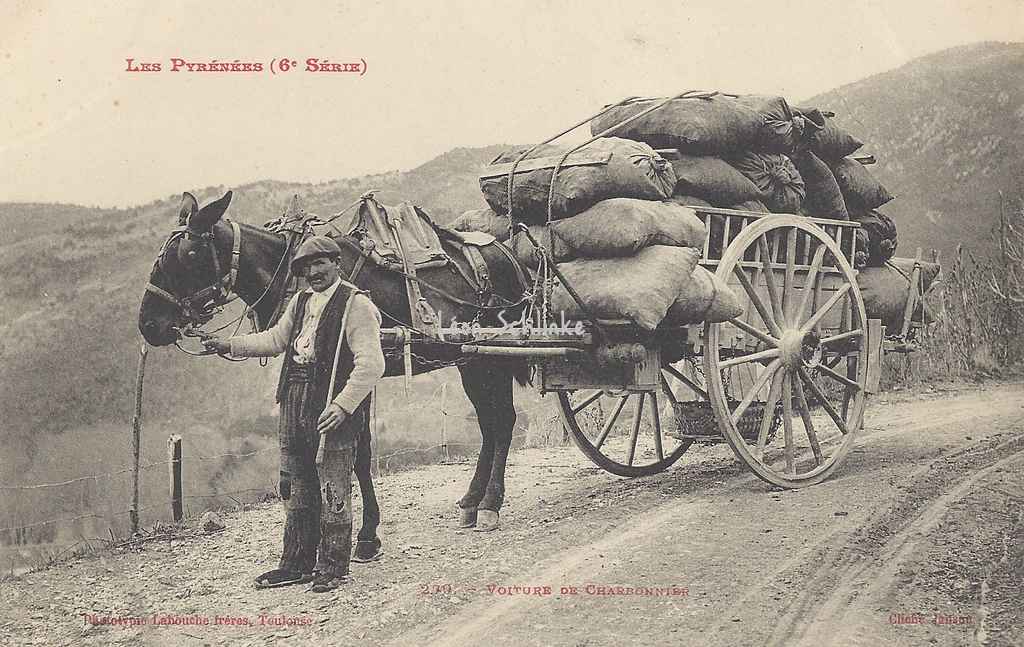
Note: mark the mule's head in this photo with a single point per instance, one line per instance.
(184, 282)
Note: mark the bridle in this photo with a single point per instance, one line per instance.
(201, 306)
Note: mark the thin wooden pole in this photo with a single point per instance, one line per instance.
(444, 423)
(133, 512)
(174, 472)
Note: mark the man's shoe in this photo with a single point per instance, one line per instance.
(280, 577)
(367, 551)
(325, 582)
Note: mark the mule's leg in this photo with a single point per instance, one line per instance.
(371, 511)
(497, 423)
(474, 382)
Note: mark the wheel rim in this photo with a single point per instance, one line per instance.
(805, 318)
(628, 433)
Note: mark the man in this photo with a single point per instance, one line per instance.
(331, 328)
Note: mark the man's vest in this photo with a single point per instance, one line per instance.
(328, 335)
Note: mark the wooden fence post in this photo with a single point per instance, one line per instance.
(174, 471)
(133, 511)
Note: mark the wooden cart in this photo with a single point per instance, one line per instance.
(802, 358)
(784, 384)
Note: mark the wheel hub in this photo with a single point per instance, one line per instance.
(800, 349)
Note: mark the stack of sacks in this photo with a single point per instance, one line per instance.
(859, 193)
(795, 160)
(725, 140)
(886, 288)
(622, 245)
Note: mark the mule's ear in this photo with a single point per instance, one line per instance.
(189, 206)
(211, 213)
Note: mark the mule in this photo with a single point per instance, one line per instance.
(193, 258)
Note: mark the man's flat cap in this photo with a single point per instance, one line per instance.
(311, 248)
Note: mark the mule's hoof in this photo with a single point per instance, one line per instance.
(487, 521)
(467, 517)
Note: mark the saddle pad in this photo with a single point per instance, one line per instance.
(417, 234)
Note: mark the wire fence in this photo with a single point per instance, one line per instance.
(85, 508)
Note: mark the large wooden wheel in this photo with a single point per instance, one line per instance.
(805, 318)
(628, 433)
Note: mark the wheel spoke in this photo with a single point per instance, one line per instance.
(672, 370)
(755, 299)
(610, 422)
(769, 279)
(770, 353)
(839, 377)
(805, 413)
(760, 334)
(811, 279)
(825, 404)
(849, 334)
(657, 426)
(668, 390)
(637, 415)
(787, 422)
(762, 378)
(587, 402)
(789, 279)
(815, 302)
(768, 416)
(831, 303)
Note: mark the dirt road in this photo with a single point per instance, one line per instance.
(917, 541)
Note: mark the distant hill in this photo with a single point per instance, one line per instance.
(948, 132)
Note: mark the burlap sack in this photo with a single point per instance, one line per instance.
(880, 232)
(634, 170)
(714, 126)
(529, 256)
(885, 290)
(781, 186)
(785, 130)
(640, 288)
(624, 226)
(833, 143)
(712, 179)
(614, 227)
(703, 298)
(860, 188)
(483, 220)
(823, 198)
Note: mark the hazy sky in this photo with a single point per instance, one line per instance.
(75, 126)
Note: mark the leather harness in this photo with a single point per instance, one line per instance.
(214, 295)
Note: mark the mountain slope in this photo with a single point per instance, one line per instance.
(948, 132)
